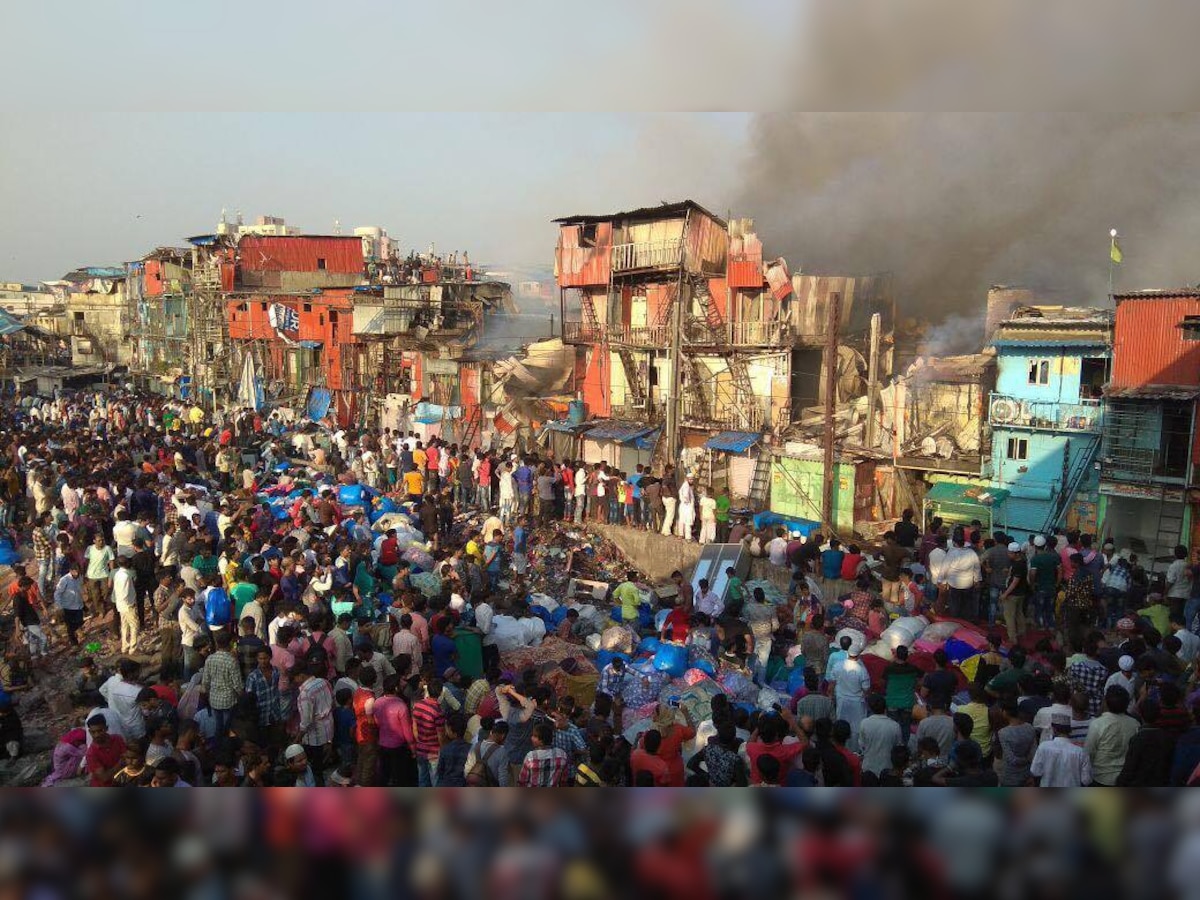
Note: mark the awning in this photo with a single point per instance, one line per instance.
(619, 432)
(9, 324)
(733, 441)
(646, 441)
(566, 426)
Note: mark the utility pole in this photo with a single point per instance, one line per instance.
(831, 368)
(873, 380)
(675, 401)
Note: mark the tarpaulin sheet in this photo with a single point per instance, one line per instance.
(9, 324)
(733, 441)
(620, 432)
(318, 403)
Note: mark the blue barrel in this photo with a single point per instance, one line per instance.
(576, 412)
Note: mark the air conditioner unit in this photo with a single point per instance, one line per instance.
(1004, 411)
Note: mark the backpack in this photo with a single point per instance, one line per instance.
(315, 657)
(479, 775)
(218, 612)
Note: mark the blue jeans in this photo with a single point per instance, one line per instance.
(223, 719)
(993, 604)
(1043, 608)
(426, 772)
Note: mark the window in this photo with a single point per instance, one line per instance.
(263, 307)
(321, 263)
(1191, 328)
(587, 236)
(1039, 371)
(308, 307)
(1018, 448)
(321, 319)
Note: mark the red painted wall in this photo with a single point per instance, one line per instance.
(1149, 345)
(300, 254)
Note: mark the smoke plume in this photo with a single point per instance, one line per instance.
(953, 203)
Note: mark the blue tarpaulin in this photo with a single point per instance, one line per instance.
(318, 403)
(646, 441)
(619, 432)
(9, 324)
(566, 426)
(733, 441)
(429, 413)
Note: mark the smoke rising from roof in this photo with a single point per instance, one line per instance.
(953, 203)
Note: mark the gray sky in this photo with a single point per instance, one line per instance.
(96, 189)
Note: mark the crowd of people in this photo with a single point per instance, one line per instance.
(233, 619)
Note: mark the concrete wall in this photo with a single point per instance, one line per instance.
(655, 555)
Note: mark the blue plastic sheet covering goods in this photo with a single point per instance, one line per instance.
(318, 403)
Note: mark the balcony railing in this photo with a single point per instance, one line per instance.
(743, 417)
(736, 334)
(647, 255)
(630, 335)
(1006, 411)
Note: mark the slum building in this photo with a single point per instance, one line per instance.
(648, 290)
(96, 316)
(290, 316)
(1148, 489)
(677, 335)
(1046, 416)
(412, 358)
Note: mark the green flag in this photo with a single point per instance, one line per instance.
(1115, 252)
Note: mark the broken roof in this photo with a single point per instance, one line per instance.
(663, 210)
(1153, 392)
(967, 368)
(1059, 316)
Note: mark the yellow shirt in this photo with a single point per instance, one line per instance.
(414, 482)
(195, 415)
(472, 549)
(420, 459)
(982, 732)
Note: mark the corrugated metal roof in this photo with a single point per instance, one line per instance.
(1150, 348)
(619, 432)
(1152, 392)
(299, 253)
(1076, 341)
(678, 208)
(565, 426)
(733, 441)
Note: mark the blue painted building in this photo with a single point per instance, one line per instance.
(1046, 415)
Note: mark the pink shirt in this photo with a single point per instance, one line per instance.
(395, 722)
(282, 661)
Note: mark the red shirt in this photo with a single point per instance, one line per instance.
(99, 758)
(677, 625)
(785, 753)
(641, 761)
(165, 692)
(365, 729)
(432, 455)
(852, 761)
(389, 552)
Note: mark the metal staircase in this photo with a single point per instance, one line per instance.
(633, 379)
(591, 325)
(471, 427)
(696, 379)
(1169, 530)
(1075, 472)
(760, 481)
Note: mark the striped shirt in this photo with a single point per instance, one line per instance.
(427, 723)
(314, 702)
